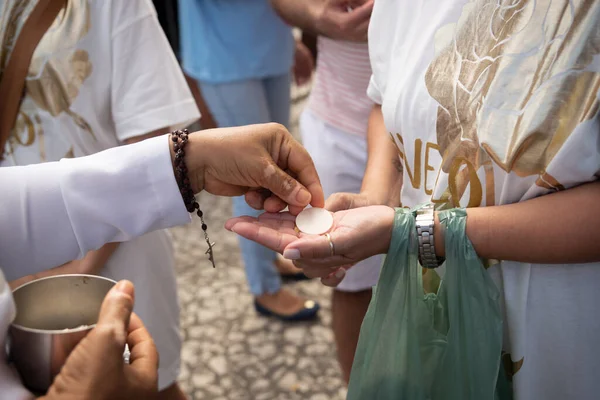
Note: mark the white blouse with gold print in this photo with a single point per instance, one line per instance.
(97, 77)
(493, 102)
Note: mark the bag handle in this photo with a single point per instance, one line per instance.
(12, 82)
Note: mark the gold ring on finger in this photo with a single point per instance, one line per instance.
(331, 245)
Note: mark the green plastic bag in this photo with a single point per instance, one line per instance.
(431, 346)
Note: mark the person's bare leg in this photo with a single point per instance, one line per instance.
(348, 311)
(173, 392)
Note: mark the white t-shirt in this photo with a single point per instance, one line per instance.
(496, 102)
(54, 199)
(104, 72)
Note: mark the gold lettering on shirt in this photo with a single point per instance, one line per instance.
(443, 202)
(462, 174)
(429, 146)
(458, 180)
(41, 140)
(414, 174)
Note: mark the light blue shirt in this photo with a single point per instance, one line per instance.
(229, 40)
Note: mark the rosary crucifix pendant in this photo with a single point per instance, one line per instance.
(211, 257)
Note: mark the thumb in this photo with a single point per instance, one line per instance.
(338, 202)
(116, 311)
(285, 187)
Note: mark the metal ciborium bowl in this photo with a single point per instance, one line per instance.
(53, 315)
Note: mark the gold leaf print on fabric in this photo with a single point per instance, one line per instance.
(70, 153)
(41, 139)
(549, 182)
(25, 130)
(58, 83)
(57, 72)
(58, 86)
(28, 130)
(12, 17)
(514, 82)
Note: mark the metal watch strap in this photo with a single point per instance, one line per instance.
(425, 225)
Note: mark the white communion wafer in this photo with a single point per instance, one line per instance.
(314, 221)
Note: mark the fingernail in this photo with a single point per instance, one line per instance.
(340, 273)
(303, 196)
(122, 286)
(291, 254)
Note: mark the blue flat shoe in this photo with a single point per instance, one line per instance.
(307, 313)
(295, 277)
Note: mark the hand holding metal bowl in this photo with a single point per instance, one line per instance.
(53, 315)
(69, 335)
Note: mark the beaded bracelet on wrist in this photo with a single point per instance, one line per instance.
(180, 139)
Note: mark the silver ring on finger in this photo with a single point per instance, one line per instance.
(331, 245)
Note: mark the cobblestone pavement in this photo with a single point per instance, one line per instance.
(231, 353)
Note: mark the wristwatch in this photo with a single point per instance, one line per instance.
(425, 223)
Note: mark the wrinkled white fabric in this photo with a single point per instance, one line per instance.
(47, 216)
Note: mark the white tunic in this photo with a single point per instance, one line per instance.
(47, 217)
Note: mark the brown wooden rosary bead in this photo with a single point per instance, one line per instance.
(180, 139)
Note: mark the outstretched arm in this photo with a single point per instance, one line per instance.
(55, 212)
(559, 228)
(337, 19)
